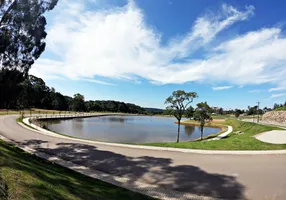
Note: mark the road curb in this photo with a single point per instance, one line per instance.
(197, 151)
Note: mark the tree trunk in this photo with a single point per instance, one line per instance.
(202, 131)
(178, 136)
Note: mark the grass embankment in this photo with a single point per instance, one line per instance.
(20, 120)
(281, 109)
(218, 123)
(29, 177)
(244, 141)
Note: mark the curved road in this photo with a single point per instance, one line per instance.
(219, 176)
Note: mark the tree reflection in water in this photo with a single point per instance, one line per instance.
(116, 119)
(189, 130)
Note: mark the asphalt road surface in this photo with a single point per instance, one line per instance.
(220, 176)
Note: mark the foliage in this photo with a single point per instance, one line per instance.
(22, 32)
(280, 108)
(253, 110)
(153, 111)
(32, 92)
(237, 112)
(9, 87)
(178, 103)
(189, 113)
(77, 103)
(244, 141)
(202, 114)
(113, 106)
(220, 111)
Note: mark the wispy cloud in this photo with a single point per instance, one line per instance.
(277, 95)
(255, 91)
(118, 43)
(97, 81)
(277, 89)
(222, 87)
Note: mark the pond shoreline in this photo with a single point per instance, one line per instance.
(123, 128)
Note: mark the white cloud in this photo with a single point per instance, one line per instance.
(276, 89)
(277, 95)
(117, 43)
(222, 87)
(255, 91)
(97, 81)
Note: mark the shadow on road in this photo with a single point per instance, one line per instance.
(147, 169)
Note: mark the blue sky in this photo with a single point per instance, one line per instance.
(232, 53)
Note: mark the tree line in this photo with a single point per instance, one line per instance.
(32, 92)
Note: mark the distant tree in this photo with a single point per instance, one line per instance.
(237, 113)
(275, 106)
(178, 102)
(220, 111)
(59, 102)
(202, 114)
(78, 102)
(251, 110)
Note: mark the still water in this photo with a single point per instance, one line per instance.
(127, 129)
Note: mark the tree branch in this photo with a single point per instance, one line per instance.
(12, 5)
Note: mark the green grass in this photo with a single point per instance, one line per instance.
(29, 177)
(233, 141)
(215, 124)
(20, 120)
(280, 109)
(222, 116)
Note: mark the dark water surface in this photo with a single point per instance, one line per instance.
(127, 129)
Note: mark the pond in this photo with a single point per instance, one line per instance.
(127, 129)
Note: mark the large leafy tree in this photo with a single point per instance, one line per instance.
(202, 114)
(178, 103)
(22, 34)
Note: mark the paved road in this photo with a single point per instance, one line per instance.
(219, 176)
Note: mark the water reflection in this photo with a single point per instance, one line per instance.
(78, 124)
(189, 130)
(116, 119)
(127, 129)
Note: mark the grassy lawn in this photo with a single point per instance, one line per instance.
(29, 177)
(244, 141)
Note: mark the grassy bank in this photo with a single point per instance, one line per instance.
(37, 111)
(218, 123)
(29, 177)
(244, 141)
(281, 109)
